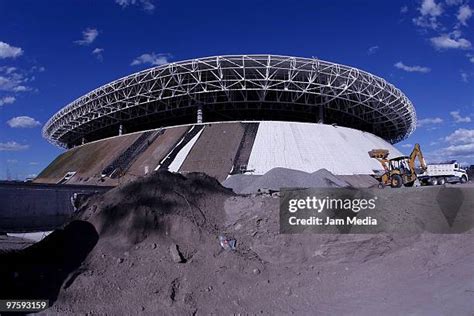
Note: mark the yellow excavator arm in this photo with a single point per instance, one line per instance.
(416, 153)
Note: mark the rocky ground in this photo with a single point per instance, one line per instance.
(152, 247)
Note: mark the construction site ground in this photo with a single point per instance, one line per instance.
(151, 247)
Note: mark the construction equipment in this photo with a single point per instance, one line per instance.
(400, 170)
(445, 172)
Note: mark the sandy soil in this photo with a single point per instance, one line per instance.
(154, 250)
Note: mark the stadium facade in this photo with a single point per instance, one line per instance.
(320, 113)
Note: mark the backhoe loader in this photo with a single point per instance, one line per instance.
(400, 170)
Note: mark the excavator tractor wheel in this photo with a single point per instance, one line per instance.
(396, 181)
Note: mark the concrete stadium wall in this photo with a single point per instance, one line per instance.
(220, 149)
(28, 207)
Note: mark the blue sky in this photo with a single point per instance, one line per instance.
(52, 52)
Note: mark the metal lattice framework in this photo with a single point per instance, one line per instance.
(238, 83)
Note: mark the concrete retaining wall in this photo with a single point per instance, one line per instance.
(28, 207)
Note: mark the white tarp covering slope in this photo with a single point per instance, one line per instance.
(310, 147)
(183, 153)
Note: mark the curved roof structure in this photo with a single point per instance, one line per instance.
(240, 87)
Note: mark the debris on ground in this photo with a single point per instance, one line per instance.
(227, 243)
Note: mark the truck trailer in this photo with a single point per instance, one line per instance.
(441, 173)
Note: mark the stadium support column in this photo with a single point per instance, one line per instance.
(321, 114)
(120, 129)
(199, 114)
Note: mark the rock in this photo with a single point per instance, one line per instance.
(256, 271)
(119, 260)
(153, 246)
(175, 254)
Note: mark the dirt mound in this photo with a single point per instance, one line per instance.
(138, 208)
(278, 178)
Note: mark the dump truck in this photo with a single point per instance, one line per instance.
(399, 171)
(441, 173)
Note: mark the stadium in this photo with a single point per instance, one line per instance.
(230, 114)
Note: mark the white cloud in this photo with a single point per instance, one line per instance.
(23, 122)
(88, 36)
(429, 13)
(8, 51)
(37, 69)
(454, 2)
(12, 146)
(151, 59)
(404, 9)
(429, 121)
(460, 145)
(146, 5)
(372, 50)
(430, 7)
(7, 69)
(464, 14)
(12, 80)
(7, 100)
(402, 66)
(464, 76)
(458, 118)
(33, 163)
(460, 151)
(12, 84)
(97, 52)
(450, 41)
(460, 136)
(407, 145)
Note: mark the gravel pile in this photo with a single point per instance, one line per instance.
(278, 178)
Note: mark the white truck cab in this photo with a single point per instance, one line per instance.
(444, 172)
